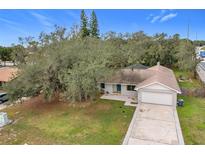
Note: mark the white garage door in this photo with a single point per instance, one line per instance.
(157, 98)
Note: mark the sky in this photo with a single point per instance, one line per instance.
(23, 23)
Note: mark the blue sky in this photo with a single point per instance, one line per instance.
(16, 23)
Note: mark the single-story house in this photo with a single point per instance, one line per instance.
(7, 74)
(156, 85)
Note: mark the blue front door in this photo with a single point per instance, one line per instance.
(118, 87)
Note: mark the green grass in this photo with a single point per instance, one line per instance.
(192, 115)
(192, 120)
(188, 84)
(102, 122)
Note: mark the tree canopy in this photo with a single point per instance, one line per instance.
(72, 63)
(6, 53)
(94, 31)
(84, 25)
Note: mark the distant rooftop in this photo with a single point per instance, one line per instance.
(7, 73)
(137, 66)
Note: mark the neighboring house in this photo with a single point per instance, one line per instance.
(7, 63)
(137, 66)
(156, 85)
(7, 74)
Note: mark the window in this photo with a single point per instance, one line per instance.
(130, 88)
(102, 85)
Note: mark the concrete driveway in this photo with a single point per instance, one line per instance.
(154, 124)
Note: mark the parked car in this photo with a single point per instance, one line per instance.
(3, 97)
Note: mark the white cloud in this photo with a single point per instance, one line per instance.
(164, 15)
(149, 16)
(12, 25)
(17, 29)
(168, 17)
(45, 21)
(7, 21)
(72, 14)
(155, 18)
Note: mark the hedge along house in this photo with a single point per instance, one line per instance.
(155, 85)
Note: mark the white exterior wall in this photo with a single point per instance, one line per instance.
(174, 99)
(157, 94)
(124, 91)
(108, 88)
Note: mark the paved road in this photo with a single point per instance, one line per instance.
(154, 124)
(199, 48)
(200, 69)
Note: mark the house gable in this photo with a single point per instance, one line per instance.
(157, 86)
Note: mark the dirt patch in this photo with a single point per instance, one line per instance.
(79, 105)
(2, 91)
(103, 107)
(41, 105)
(98, 107)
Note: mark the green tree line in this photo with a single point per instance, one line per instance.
(71, 64)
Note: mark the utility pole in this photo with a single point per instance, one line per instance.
(188, 32)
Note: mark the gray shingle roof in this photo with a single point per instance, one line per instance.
(161, 75)
(144, 77)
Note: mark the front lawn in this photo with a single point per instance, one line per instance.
(192, 120)
(102, 122)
